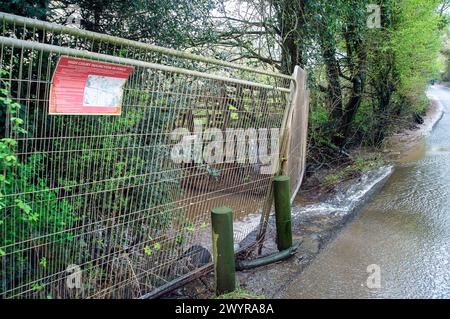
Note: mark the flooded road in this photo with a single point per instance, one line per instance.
(404, 232)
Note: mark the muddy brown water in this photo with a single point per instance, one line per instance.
(404, 230)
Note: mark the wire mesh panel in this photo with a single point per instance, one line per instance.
(116, 206)
(298, 131)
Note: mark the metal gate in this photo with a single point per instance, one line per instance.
(95, 206)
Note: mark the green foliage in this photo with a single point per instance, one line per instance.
(170, 23)
(28, 8)
(31, 208)
(333, 178)
(364, 81)
(43, 262)
(157, 246)
(362, 164)
(37, 287)
(401, 60)
(415, 43)
(114, 176)
(147, 250)
(359, 166)
(240, 293)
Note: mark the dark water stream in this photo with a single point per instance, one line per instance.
(404, 231)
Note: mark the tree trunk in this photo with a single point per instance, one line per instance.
(334, 97)
(290, 20)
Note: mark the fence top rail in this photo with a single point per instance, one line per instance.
(48, 26)
(109, 58)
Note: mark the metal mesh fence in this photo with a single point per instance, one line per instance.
(94, 206)
(298, 131)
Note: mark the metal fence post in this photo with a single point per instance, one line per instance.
(282, 194)
(223, 249)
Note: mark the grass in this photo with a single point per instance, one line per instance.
(240, 294)
(358, 167)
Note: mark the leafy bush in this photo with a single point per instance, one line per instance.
(32, 213)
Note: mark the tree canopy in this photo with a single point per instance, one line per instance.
(363, 79)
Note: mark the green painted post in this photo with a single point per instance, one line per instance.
(223, 249)
(282, 198)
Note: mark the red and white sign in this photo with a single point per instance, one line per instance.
(81, 86)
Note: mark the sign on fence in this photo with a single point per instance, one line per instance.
(81, 86)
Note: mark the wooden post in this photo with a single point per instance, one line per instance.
(297, 102)
(282, 198)
(223, 249)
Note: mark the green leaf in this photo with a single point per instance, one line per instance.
(43, 262)
(23, 206)
(179, 239)
(21, 130)
(9, 141)
(10, 160)
(16, 121)
(147, 251)
(37, 287)
(191, 228)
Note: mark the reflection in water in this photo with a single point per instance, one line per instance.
(405, 230)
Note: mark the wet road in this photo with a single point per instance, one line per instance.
(399, 245)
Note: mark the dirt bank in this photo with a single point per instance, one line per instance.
(327, 201)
